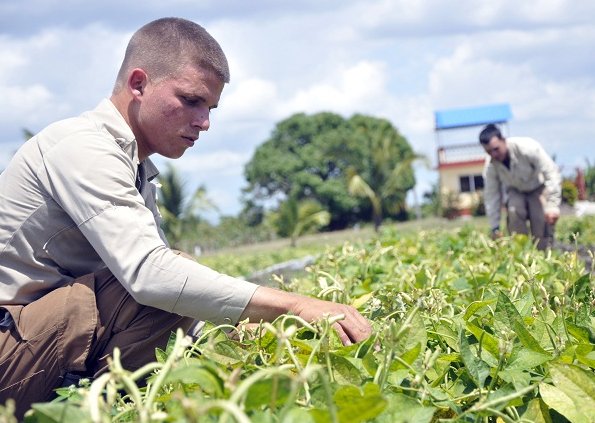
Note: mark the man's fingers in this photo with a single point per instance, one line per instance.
(342, 334)
(356, 327)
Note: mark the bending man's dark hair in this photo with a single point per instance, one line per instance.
(489, 132)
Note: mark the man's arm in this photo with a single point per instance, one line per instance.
(268, 303)
(553, 185)
(492, 197)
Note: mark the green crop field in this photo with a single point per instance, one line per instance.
(466, 329)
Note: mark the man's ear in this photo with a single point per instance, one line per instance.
(137, 81)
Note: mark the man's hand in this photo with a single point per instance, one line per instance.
(353, 328)
(268, 303)
(551, 217)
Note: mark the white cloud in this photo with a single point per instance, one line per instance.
(218, 163)
(388, 58)
(25, 101)
(345, 90)
(247, 99)
(56, 73)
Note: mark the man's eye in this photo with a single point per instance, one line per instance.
(190, 101)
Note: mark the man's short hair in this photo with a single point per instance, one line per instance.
(162, 47)
(489, 132)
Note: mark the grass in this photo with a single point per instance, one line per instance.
(244, 260)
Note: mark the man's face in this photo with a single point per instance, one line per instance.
(172, 112)
(496, 148)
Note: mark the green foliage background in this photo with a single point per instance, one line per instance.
(308, 157)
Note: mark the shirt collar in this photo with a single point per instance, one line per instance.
(114, 123)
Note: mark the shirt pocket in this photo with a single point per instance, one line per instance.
(525, 174)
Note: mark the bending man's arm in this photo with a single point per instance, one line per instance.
(553, 185)
(268, 303)
(492, 197)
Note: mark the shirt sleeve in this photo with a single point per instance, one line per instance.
(551, 178)
(492, 195)
(92, 179)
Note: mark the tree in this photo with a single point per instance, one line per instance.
(181, 214)
(386, 174)
(385, 188)
(308, 157)
(294, 218)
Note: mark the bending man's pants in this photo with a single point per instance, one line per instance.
(523, 206)
(74, 329)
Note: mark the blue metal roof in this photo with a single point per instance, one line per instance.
(472, 116)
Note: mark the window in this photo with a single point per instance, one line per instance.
(470, 183)
(478, 182)
(465, 183)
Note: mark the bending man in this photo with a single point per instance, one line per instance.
(520, 171)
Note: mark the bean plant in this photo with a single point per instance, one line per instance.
(465, 329)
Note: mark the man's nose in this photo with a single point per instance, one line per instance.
(201, 119)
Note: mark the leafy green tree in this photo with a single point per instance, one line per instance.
(181, 214)
(295, 218)
(308, 157)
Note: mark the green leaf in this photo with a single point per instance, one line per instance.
(446, 334)
(518, 378)
(225, 353)
(476, 367)
(408, 357)
(206, 380)
(488, 341)
(556, 399)
(160, 355)
(413, 335)
(475, 306)
(585, 354)
(526, 359)
(581, 333)
(356, 405)
(268, 392)
(320, 415)
(404, 409)
(344, 371)
(370, 363)
(299, 415)
(573, 393)
(537, 412)
(62, 412)
(582, 286)
(507, 314)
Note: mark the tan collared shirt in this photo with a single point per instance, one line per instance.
(530, 167)
(71, 204)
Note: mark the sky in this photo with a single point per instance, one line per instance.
(396, 59)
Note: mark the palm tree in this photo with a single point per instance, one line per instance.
(391, 185)
(181, 215)
(294, 218)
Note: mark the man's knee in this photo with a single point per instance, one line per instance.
(46, 339)
(135, 329)
(73, 329)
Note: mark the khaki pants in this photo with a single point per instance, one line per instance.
(75, 328)
(523, 206)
